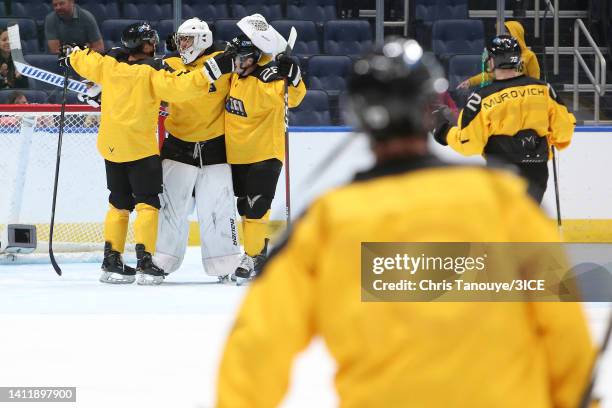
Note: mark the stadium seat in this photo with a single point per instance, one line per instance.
(146, 10)
(270, 9)
(55, 96)
(33, 96)
(307, 42)
(452, 37)
(225, 30)
(313, 111)
(461, 67)
(207, 10)
(347, 37)
(35, 9)
(429, 11)
(318, 11)
(27, 31)
(328, 73)
(102, 10)
(48, 62)
(112, 29)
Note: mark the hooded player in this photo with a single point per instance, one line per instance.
(254, 130)
(195, 169)
(132, 92)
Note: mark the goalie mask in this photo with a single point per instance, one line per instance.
(136, 35)
(392, 89)
(192, 38)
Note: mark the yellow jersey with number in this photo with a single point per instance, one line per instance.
(131, 96)
(255, 115)
(201, 118)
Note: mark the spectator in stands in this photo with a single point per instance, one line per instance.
(529, 67)
(9, 77)
(17, 98)
(70, 24)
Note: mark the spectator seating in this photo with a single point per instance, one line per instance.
(55, 96)
(456, 37)
(313, 111)
(328, 73)
(318, 11)
(27, 30)
(101, 10)
(35, 9)
(428, 11)
(112, 29)
(225, 30)
(270, 9)
(48, 62)
(146, 10)
(205, 9)
(307, 42)
(347, 37)
(33, 96)
(461, 67)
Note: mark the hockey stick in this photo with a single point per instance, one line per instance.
(556, 180)
(587, 395)
(57, 167)
(290, 44)
(38, 74)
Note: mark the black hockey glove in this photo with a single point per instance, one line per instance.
(442, 117)
(171, 43)
(64, 53)
(289, 67)
(220, 64)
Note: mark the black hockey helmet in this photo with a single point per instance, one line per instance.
(392, 89)
(505, 51)
(136, 34)
(244, 48)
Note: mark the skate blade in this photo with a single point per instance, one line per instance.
(116, 278)
(149, 280)
(238, 281)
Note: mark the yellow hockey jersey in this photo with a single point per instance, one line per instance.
(255, 115)
(505, 108)
(130, 102)
(201, 118)
(402, 354)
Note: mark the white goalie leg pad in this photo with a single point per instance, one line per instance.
(217, 218)
(177, 204)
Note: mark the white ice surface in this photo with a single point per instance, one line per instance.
(131, 346)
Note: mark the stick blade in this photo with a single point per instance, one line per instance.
(56, 267)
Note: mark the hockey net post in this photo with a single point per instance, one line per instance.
(28, 141)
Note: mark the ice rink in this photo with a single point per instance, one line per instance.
(132, 346)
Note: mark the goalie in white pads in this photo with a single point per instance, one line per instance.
(195, 169)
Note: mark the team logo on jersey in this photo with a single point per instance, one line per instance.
(212, 88)
(235, 106)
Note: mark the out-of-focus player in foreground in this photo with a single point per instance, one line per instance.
(405, 354)
(516, 119)
(195, 168)
(255, 130)
(127, 141)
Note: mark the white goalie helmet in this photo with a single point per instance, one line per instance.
(202, 39)
(262, 34)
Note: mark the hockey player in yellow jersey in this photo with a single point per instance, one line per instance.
(516, 119)
(254, 131)
(132, 90)
(195, 168)
(394, 354)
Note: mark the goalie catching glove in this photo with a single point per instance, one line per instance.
(93, 96)
(288, 67)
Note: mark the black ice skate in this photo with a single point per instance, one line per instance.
(260, 260)
(148, 272)
(113, 268)
(244, 271)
